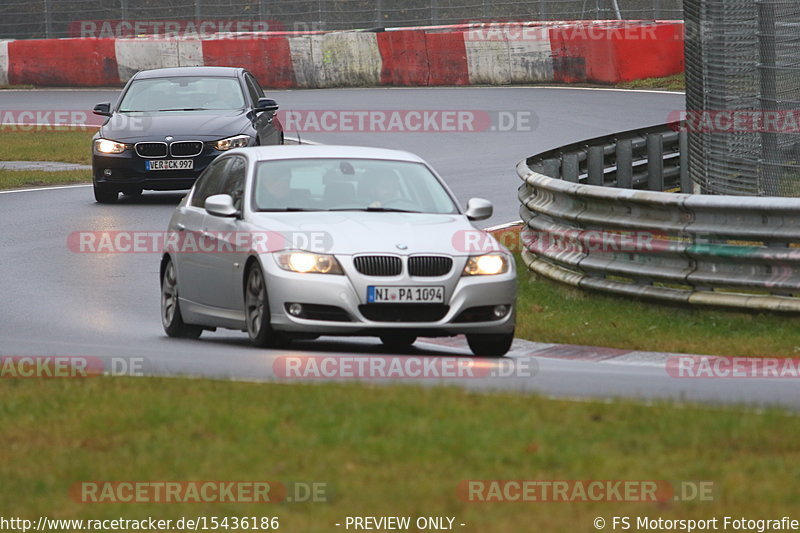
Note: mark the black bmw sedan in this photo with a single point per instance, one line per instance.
(170, 123)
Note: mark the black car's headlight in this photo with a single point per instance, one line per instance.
(106, 146)
(486, 265)
(238, 141)
(308, 263)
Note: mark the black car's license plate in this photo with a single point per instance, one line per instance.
(378, 294)
(170, 164)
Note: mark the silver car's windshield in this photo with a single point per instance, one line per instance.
(349, 184)
(183, 93)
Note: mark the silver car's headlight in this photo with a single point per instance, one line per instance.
(106, 146)
(238, 141)
(308, 263)
(486, 265)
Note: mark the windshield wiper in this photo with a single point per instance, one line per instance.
(375, 209)
(186, 109)
(290, 209)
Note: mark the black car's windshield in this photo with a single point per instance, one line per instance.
(349, 185)
(183, 93)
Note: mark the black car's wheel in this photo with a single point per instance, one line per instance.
(398, 341)
(171, 317)
(490, 344)
(104, 194)
(256, 308)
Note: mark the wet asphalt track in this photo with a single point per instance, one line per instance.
(55, 302)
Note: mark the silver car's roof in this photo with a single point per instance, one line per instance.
(307, 151)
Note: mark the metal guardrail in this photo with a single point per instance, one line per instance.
(597, 217)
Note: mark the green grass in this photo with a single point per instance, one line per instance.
(14, 179)
(67, 146)
(676, 82)
(382, 450)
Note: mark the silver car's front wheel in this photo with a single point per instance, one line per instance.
(256, 308)
(171, 317)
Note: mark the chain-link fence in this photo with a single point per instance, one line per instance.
(34, 19)
(743, 96)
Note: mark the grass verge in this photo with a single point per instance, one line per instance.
(676, 82)
(24, 143)
(14, 179)
(382, 451)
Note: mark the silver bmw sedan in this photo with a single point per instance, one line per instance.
(291, 242)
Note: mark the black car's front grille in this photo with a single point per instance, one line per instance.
(429, 265)
(151, 149)
(186, 148)
(378, 265)
(404, 312)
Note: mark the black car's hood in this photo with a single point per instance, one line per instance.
(182, 125)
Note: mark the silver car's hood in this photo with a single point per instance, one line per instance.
(355, 232)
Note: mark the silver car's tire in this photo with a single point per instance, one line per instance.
(256, 308)
(490, 344)
(171, 317)
(398, 341)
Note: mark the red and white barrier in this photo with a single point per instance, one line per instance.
(133, 55)
(3, 63)
(515, 53)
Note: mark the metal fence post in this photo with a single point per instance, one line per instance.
(123, 9)
(596, 165)
(48, 19)
(198, 9)
(686, 180)
(770, 172)
(655, 162)
(569, 167)
(625, 164)
(434, 12)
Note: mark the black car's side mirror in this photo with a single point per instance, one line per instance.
(266, 104)
(103, 109)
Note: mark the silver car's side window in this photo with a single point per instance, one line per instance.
(210, 182)
(233, 180)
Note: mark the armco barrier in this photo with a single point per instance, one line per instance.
(591, 222)
(588, 51)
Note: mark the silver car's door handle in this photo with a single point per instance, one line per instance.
(181, 227)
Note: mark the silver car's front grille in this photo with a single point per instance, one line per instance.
(429, 265)
(378, 265)
(151, 149)
(186, 148)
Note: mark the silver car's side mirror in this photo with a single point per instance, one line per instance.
(479, 209)
(221, 205)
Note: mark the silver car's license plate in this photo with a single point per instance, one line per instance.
(379, 294)
(170, 164)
